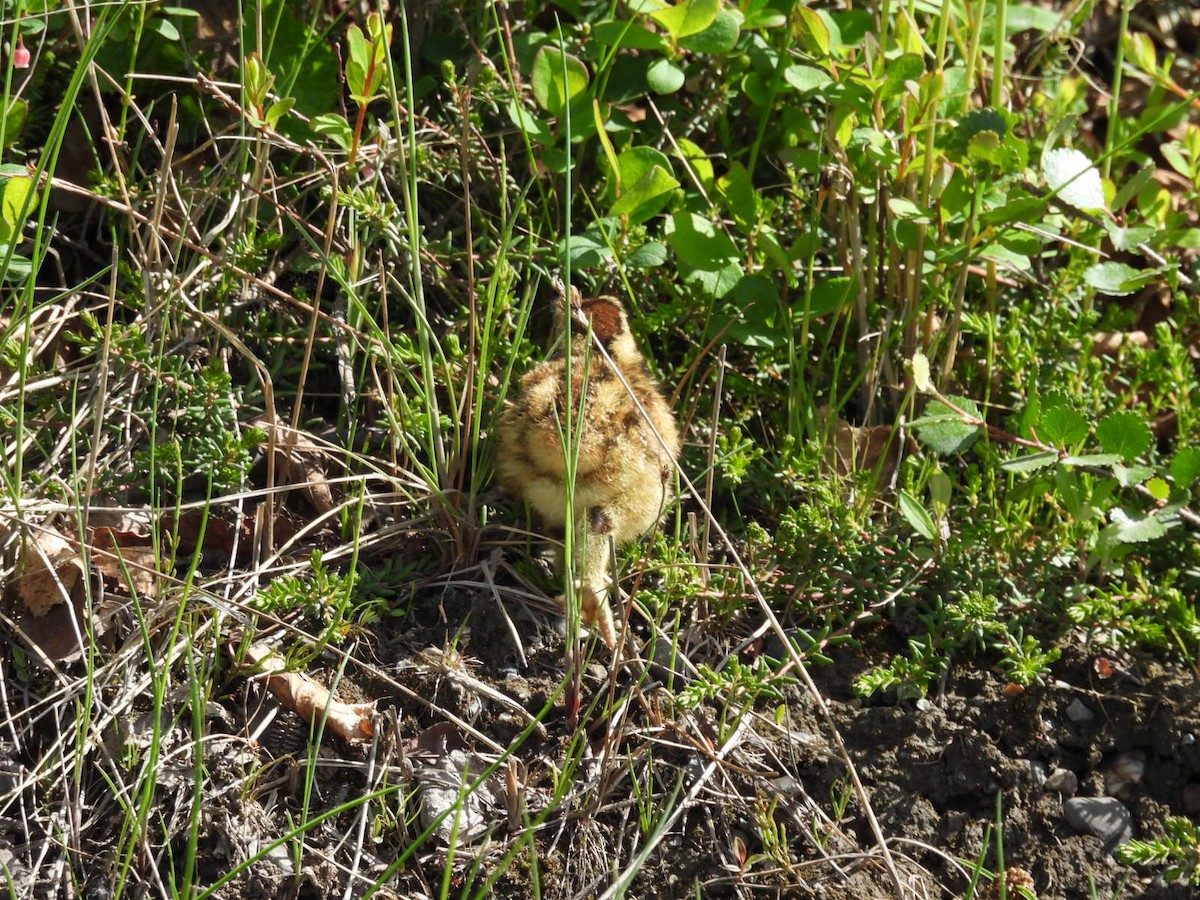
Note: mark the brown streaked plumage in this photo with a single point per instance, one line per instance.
(623, 474)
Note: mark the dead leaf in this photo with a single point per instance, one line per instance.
(857, 448)
(302, 455)
(299, 693)
(51, 567)
(117, 553)
(445, 771)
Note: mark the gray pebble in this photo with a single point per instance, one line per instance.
(1079, 712)
(1062, 781)
(1105, 817)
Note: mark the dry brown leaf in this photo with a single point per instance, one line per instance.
(857, 448)
(51, 567)
(139, 562)
(299, 693)
(444, 770)
(301, 454)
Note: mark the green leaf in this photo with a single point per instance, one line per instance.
(918, 517)
(687, 18)
(648, 256)
(527, 122)
(1136, 528)
(976, 122)
(1158, 489)
(635, 175)
(739, 195)
(334, 125)
(14, 118)
(719, 37)
(629, 35)
(1073, 178)
(1132, 476)
(1092, 459)
(909, 67)
(1116, 278)
(356, 65)
(1031, 462)
(1185, 467)
(648, 195)
(807, 78)
(558, 78)
(717, 282)
(756, 320)
(15, 203)
(811, 32)
(19, 267)
(278, 110)
(1124, 433)
(698, 243)
(664, 77)
(1061, 425)
(830, 295)
(943, 430)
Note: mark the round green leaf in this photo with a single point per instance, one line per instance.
(1061, 425)
(807, 78)
(647, 256)
(1124, 433)
(1116, 279)
(664, 77)
(943, 430)
(719, 37)
(698, 243)
(687, 18)
(648, 195)
(1185, 467)
(558, 78)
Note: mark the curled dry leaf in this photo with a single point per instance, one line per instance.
(299, 693)
(51, 567)
(445, 771)
(855, 448)
(126, 561)
(302, 455)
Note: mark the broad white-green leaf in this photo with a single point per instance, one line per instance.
(1072, 176)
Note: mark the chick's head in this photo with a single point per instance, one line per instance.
(605, 317)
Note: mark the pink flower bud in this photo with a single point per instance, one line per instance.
(20, 55)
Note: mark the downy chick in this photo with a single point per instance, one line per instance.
(623, 473)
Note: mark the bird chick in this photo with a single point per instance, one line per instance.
(622, 470)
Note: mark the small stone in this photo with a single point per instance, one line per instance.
(1079, 712)
(1104, 817)
(1062, 781)
(1124, 772)
(1037, 774)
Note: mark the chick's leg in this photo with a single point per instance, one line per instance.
(594, 583)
